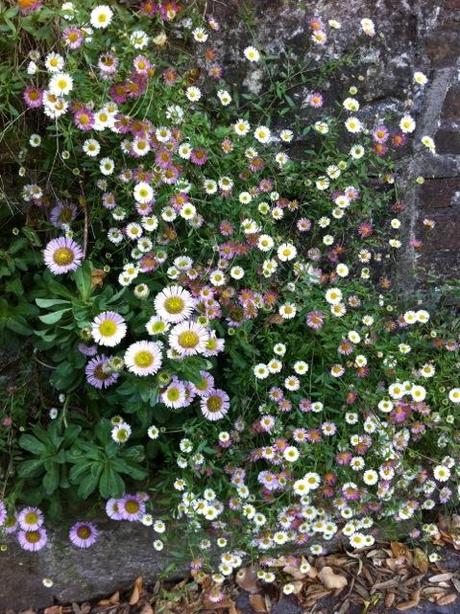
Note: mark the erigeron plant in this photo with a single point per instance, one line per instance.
(217, 311)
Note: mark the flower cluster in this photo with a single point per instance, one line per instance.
(209, 282)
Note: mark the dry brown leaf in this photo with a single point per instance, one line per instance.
(146, 609)
(137, 590)
(113, 600)
(441, 577)
(246, 578)
(332, 580)
(399, 550)
(420, 560)
(54, 609)
(97, 278)
(449, 598)
(258, 603)
(389, 599)
(456, 583)
(298, 585)
(406, 605)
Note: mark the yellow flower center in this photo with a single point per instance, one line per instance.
(107, 328)
(214, 404)
(83, 532)
(62, 84)
(32, 537)
(143, 359)
(132, 507)
(188, 339)
(31, 518)
(63, 256)
(173, 394)
(174, 304)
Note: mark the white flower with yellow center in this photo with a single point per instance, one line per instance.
(143, 192)
(441, 473)
(174, 304)
(241, 127)
(353, 125)
(188, 338)
(193, 93)
(420, 78)
(454, 395)
(407, 124)
(108, 328)
(286, 252)
(252, 54)
(101, 16)
(262, 134)
(144, 358)
(54, 62)
(334, 296)
(61, 84)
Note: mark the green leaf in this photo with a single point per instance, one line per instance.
(110, 484)
(50, 302)
(32, 444)
(29, 468)
(53, 317)
(51, 479)
(89, 483)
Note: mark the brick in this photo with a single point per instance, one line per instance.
(437, 194)
(445, 236)
(443, 45)
(447, 141)
(451, 106)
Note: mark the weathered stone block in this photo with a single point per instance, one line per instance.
(439, 193)
(448, 141)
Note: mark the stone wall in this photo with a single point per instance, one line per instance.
(411, 35)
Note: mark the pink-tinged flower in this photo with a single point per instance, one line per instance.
(216, 71)
(29, 6)
(144, 358)
(174, 395)
(72, 37)
(33, 540)
(62, 255)
(303, 225)
(97, 373)
(399, 139)
(365, 230)
(33, 96)
(163, 158)
(30, 518)
(63, 214)
(380, 149)
(108, 64)
(142, 65)
(380, 134)
(205, 385)
(315, 319)
(215, 405)
(3, 513)
(131, 507)
(149, 8)
(113, 509)
(84, 119)
(199, 156)
(83, 534)
(315, 100)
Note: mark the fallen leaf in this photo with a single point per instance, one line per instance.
(332, 580)
(146, 609)
(246, 578)
(441, 577)
(97, 278)
(420, 561)
(258, 603)
(449, 598)
(113, 600)
(389, 599)
(406, 605)
(54, 609)
(137, 590)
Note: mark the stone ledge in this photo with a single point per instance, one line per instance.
(122, 552)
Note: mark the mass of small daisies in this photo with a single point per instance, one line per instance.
(216, 292)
